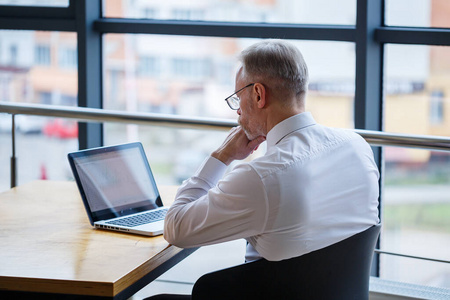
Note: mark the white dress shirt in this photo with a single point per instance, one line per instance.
(315, 186)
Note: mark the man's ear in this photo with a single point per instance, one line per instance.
(261, 94)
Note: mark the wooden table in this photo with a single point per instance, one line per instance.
(48, 247)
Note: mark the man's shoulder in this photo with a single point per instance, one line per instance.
(272, 162)
(256, 166)
(339, 135)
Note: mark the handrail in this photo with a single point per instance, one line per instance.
(375, 138)
(103, 115)
(412, 256)
(429, 142)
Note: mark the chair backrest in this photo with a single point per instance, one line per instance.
(339, 271)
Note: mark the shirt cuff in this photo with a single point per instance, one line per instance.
(211, 170)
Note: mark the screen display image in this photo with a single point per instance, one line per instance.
(116, 183)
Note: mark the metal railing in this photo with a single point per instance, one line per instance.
(374, 138)
(103, 115)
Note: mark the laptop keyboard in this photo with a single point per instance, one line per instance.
(141, 219)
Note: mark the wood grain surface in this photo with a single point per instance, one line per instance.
(48, 245)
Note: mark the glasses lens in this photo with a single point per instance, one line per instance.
(234, 102)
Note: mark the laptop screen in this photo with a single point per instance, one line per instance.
(115, 181)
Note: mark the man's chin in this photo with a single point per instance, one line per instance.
(249, 135)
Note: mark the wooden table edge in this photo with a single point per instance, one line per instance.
(140, 276)
(147, 267)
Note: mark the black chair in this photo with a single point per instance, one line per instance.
(339, 271)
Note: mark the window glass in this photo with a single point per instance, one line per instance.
(417, 89)
(416, 206)
(58, 3)
(417, 13)
(40, 68)
(416, 216)
(269, 11)
(193, 75)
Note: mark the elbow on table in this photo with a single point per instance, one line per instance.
(175, 239)
(172, 235)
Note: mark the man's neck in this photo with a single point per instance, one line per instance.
(279, 114)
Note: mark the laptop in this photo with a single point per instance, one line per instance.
(118, 189)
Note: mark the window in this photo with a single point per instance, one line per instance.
(42, 55)
(13, 55)
(188, 68)
(437, 107)
(150, 13)
(149, 66)
(187, 14)
(45, 98)
(67, 58)
(68, 100)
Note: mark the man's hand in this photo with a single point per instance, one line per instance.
(236, 146)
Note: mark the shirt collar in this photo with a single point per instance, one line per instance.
(287, 126)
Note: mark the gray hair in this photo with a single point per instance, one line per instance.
(278, 61)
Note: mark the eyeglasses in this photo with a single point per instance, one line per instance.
(233, 100)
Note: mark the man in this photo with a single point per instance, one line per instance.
(314, 187)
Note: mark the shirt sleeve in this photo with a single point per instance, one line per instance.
(209, 210)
